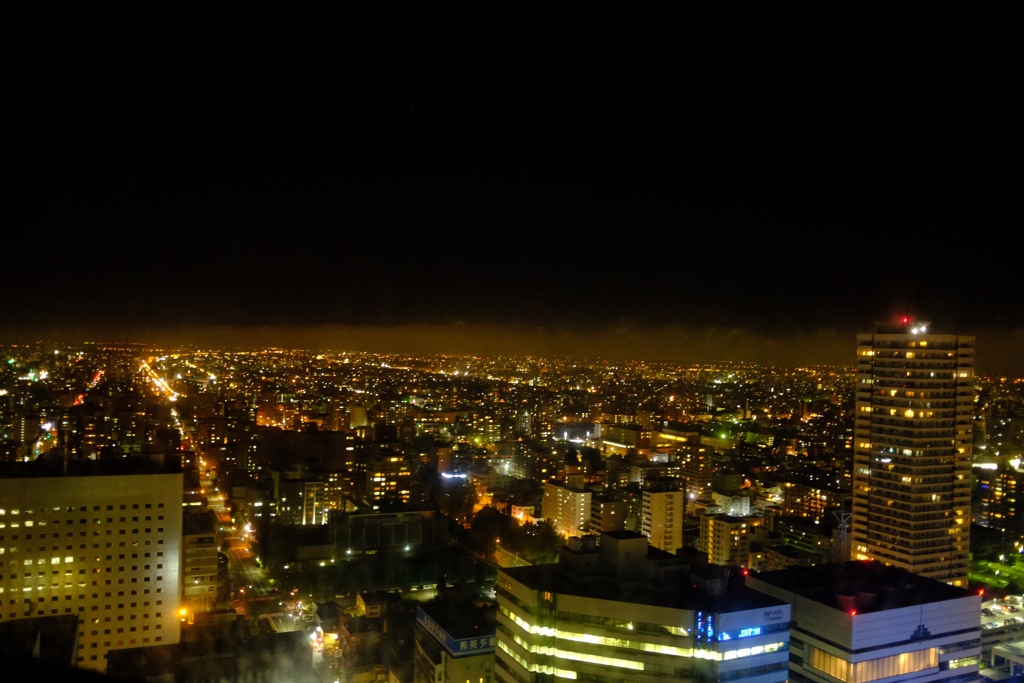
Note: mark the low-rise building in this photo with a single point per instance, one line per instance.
(454, 642)
(199, 561)
(863, 621)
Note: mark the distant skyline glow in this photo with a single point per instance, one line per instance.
(998, 350)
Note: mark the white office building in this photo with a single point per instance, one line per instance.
(104, 547)
(618, 609)
(858, 622)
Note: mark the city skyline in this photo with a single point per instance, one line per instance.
(278, 438)
(656, 183)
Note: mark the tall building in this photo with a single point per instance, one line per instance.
(607, 513)
(865, 621)
(567, 508)
(388, 478)
(662, 517)
(99, 540)
(619, 609)
(913, 450)
(357, 416)
(697, 469)
(725, 539)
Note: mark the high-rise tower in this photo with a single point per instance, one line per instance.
(912, 450)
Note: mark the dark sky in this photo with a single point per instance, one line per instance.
(645, 179)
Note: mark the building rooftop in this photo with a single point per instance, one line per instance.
(726, 517)
(625, 568)
(49, 466)
(902, 326)
(681, 594)
(871, 586)
(462, 618)
(791, 552)
(238, 656)
(50, 639)
(199, 522)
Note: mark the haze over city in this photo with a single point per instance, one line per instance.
(658, 182)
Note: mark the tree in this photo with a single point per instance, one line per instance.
(593, 457)
(457, 500)
(488, 525)
(540, 542)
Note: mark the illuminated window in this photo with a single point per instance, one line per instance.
(874, 669)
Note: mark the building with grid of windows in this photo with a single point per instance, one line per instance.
(913, 445)
(857, 622)
(997, 502)
(725, 539)
(661, 519)
(607, 513)
(200, 567)
(618, 609)
(567, 508)
(97, 540)
(388, 479)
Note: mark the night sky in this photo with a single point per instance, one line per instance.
(638, 180)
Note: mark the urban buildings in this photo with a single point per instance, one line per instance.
(369, 531)
(810, 501)
(356, 539)
(912, 450)
(454, 642)
(607, 513)
(863, 621)
(619, 609)
(567, 508)
(662, 517)
(96, 539)
(388, 479)
(997, 502)
(200, 567)
(725, 539)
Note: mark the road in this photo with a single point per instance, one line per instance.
(250, 582)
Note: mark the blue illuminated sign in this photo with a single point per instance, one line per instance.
(457, 647)
(742, 633)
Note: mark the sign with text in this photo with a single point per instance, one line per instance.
(457, 647)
